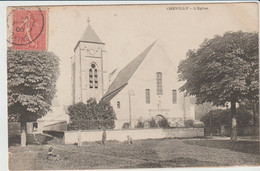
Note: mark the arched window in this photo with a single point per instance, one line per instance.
(159, 83)
(118, 104)
(93, 76)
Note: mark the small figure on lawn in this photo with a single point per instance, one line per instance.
(51, 156)
(104, 136)
(129, 140)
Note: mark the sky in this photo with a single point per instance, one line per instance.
(128, 30)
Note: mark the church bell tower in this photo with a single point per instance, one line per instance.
(87, 67)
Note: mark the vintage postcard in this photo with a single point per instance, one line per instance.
(133, 86)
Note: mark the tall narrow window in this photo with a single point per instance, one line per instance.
(93, 76)
(96, 78)
(159, 83)
(90, 78)
(118, 104)
(174, 96)
(147, 96)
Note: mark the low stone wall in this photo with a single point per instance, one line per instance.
(71, 137)
(243, 130)
(225, 130)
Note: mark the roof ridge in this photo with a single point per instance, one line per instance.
(127, 72)
(145, 53)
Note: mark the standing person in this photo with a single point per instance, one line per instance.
(104, 136)
(79, 138)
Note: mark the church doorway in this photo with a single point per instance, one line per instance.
(158, 118)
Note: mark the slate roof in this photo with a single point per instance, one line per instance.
(125, 74)
(89, 36)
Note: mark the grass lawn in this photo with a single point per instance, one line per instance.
(142, 154)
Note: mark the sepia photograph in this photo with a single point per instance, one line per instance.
(133, 86)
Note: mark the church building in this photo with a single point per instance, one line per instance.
(145, 88)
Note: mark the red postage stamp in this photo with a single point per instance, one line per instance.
(28, 29)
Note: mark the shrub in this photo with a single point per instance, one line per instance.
(152, 123)
(140, 123)
(188, 123)
(92, 115)
(126, 125)
(163, 123)
(223, 117)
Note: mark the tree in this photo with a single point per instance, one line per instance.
(223, 70)
(92, 115)
(31, 79)
(105, 114)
